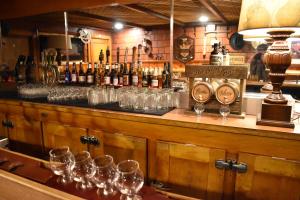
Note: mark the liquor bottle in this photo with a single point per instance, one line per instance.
(107, 75)
(140, 75)
(20, 71)
(89, 75)
(159, 78)
(101, 56)
(215, 56)
(68, 77)
(114, 75)
(154, 80)
(30, 70)
(97, 76)
(130, 73)
(169, 75)
(74, 73)
(135, 77)
(120, 75)
(125, 75)
(149, 76)
(102, 72)
(81, 76)
(107, 55)
(145, 78)
(165, 77)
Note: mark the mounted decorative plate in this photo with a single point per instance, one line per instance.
(236, 41)
(184, 48)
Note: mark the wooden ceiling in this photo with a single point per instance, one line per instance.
(145, 14)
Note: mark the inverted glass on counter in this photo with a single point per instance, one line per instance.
(140, 99)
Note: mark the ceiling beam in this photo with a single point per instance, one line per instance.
(108, 19)
(212, 8)
(10, 9)
(153, 13)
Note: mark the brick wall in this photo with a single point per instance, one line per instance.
(161, 44)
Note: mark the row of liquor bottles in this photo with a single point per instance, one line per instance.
(24, 69)
(117, 75)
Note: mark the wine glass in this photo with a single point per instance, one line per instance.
(224, 109)
(129, 179)
(62, 163)
(105, 173)
(199, 107)
(84, 170)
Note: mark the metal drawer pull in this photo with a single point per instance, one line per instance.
(239, 167)
(231, 165)
(4, 123)
(222, 164)
(93, 140)
(84, 139)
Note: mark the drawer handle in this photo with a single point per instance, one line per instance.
(93, 141)
(222, 164)
(84, 139)
(9, 124)
(239, 167)
(4, 123)
(231, 165)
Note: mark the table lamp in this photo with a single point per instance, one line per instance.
(278, 19)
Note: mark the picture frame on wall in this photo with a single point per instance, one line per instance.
(295, 49)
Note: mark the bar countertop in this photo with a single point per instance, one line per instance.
(177, 117)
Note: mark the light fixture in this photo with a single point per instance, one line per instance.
(279, 20)
(203, 18)
(118, 25)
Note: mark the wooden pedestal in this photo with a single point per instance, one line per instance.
(276, 115)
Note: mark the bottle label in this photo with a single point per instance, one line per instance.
(82, 79)
(107, 80)
(125, 80)
(115, 81)
(74, 78)
(90, 78)
(121, 80)
(145, 83)
(135, 80)
(154, 83)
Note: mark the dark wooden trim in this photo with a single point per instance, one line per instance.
(212, 8)
(150, 12)
(10, 9)
(108, 19)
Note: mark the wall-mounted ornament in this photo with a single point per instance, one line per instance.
(236, 41)
(184, 48)
(84, 35)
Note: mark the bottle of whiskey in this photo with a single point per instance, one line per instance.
(145, 78)
(125, 75)
(165, 76)
(74, 73)
(149, 76)
(20, 69)
(97, 73)
(30, 70)
(154, 80)
(68, 77)
(114, 75)
(120, 75)
(89, 75)
(140, 75)
(107, 75)
(135, 77)
(81, 76)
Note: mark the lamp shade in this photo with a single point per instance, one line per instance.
(59, 42)
(258, 17)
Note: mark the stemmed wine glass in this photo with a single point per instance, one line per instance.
(84, 170)
(104, 177)
(62, 163)
(224, 109)
(129, 179)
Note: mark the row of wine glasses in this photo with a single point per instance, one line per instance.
(101, 172)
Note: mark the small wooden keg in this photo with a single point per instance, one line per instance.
(227, 92)
(202, 92)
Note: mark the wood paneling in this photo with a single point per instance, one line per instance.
(56, 135)
(96, 150)
(268, 178)
(25, 135)
(3, 129)
(190, 167)
(124, 147)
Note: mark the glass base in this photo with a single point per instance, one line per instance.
(134, 197)
(84, 185)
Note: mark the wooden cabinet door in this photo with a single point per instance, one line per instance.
(124, 147)
(268, 178)
(190, 169)
(57, 135)
(3, 129)
(25, 135)
(96, 149)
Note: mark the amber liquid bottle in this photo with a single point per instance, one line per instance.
(89, 75)
(107, 75)
(125, 75)
(135, 77)
(74, 73)
(120, 75)
(154, 80)
(159, 78)
(81, 76)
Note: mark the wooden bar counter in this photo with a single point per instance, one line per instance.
(201, 157)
